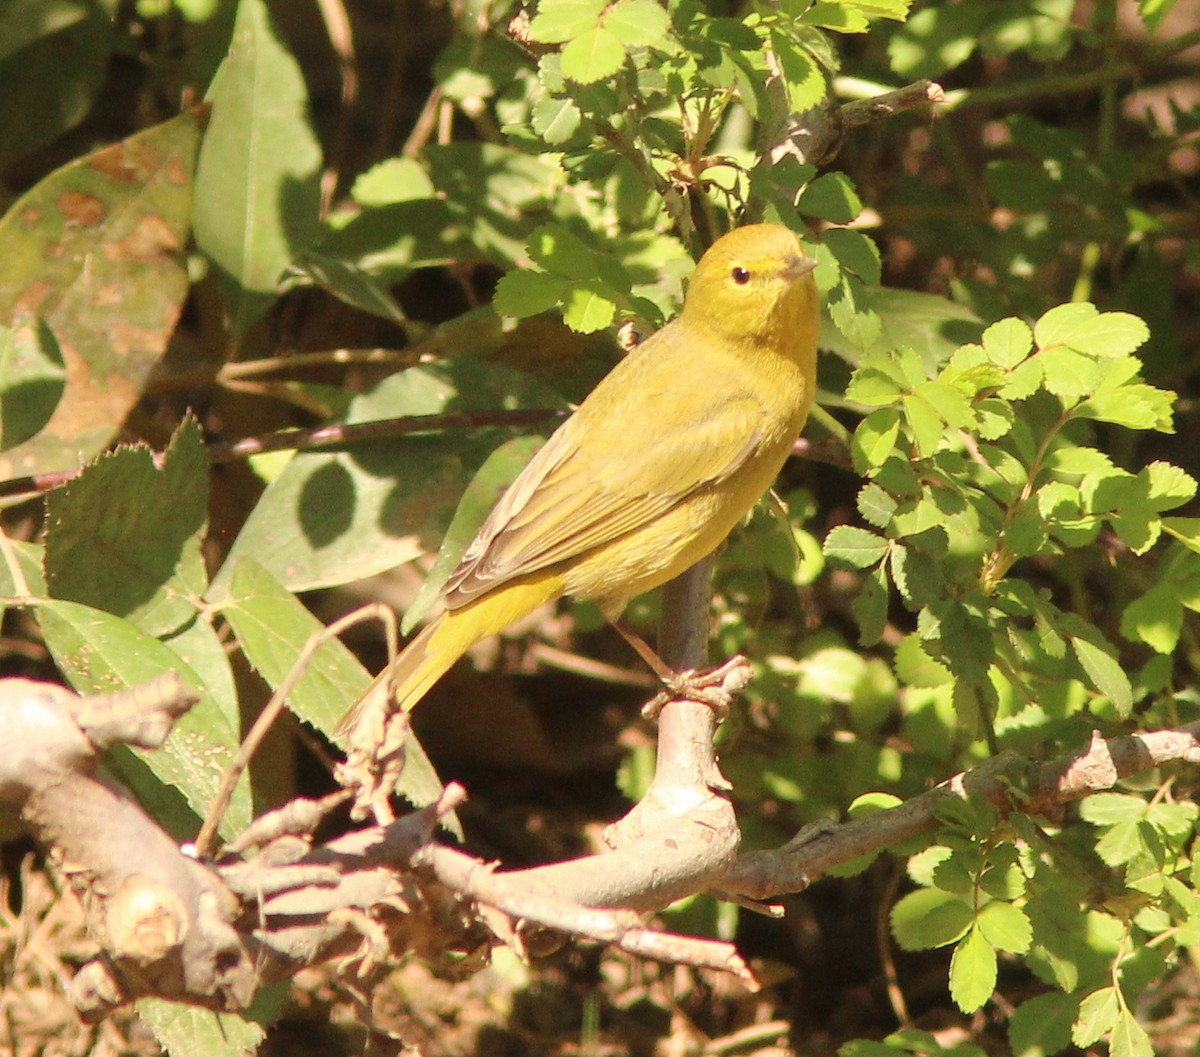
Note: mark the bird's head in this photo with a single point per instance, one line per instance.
(755, 285)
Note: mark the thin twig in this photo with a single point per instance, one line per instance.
(268, 716)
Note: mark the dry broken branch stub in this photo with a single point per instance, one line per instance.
(165, 924)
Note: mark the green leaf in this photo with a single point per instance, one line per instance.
(527, 293)
(331, 518)
(187, 1030)
(1007, 343)
(99, 652)
(914, 666)
(925, 423)
(1107, 809)
(855, 252)
(936, 39)
(831, 197)
(871, 606)
(876, 505)
(558, 21)
(1156, 618)
(1041, 1026)
(95, 251)
(273, 627)
(391, 181)
(1057, 325)
(854, 546)
(1081, 327)
(1069, 374)
(258, 177)
(348, 282)
(32, 380)
(1105, 674)
(1005, 927)
(594, 55)
(1129, 1038)
(556, 119)
(481, 495)
(875, 439)
(125, 535)
(1121, 843)
(929, 918)
(1098, 1014)
(587, 310)
(638, 23)
(973, 972)
(53, 60)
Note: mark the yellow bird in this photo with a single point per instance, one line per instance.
(656, 466)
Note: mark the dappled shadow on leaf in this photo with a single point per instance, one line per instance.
(26, 408)
(326, 506)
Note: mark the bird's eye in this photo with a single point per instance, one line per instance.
(741, 276)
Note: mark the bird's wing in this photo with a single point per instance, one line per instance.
(573, 497)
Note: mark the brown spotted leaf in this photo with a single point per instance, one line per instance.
(94, 253)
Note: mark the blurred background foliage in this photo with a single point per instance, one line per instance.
(411, 208)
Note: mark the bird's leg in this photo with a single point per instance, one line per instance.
(714, 687)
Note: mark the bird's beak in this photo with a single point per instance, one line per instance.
(798, 266)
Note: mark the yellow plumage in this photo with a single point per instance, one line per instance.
(657, 465)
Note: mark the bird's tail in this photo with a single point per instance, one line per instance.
(446, 638)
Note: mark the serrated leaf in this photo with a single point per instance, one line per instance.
(1008, 342)
(185, 1030)
(973, 972)
(871, 606)
(1069, 374)
(594, 55)
(1129, 1038)
(1057, 325)
(1105, 674)
(831, 197)
(556, 119)
(1107, 334)
(856, 253)
(526, 293)
(1041, 1026)
(638, 23)
(929, 918)
(876, 505)
(258, 177)
(1107, 809)
(1006, 927)
(1156, 618)
(1121, 843)
(855, 546)
(125, 535)
(875, 439)
(558, 21)
(925, 424)
(587, 311)
(99, 653)
(1098, 1014)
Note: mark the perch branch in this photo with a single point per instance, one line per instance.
(1008, 780)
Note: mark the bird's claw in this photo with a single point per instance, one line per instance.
(714, 687)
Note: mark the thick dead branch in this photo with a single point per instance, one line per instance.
(165, 924)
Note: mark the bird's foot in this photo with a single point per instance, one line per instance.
(714, 687)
